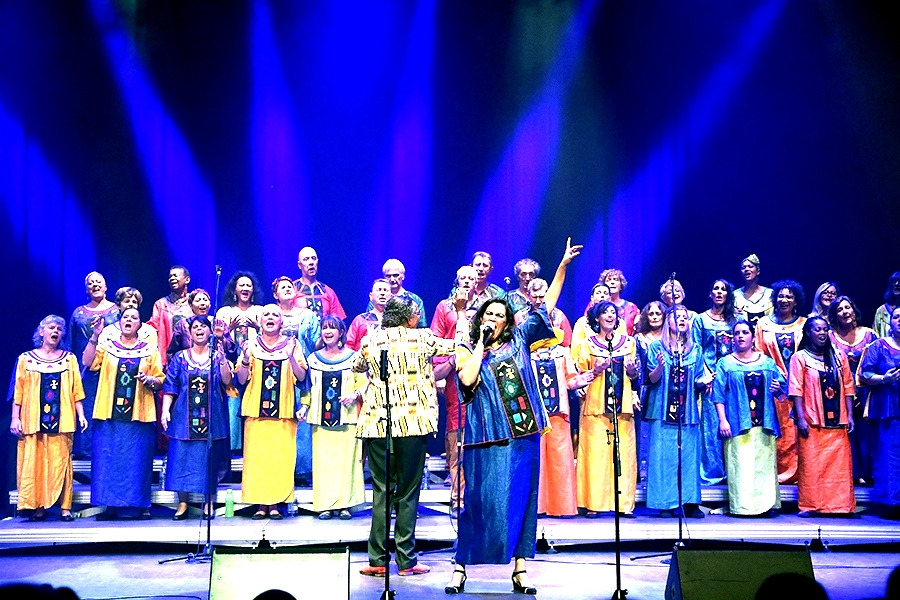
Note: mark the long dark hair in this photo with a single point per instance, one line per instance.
(229, 296)
(643, 324)
(828, 354)
(889, 296)
(506, 334)
(728, 308)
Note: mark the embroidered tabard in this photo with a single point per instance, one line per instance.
(518, 409)
(50, 408)
(330, 398)
(269, 398)
(548, 381)
(754, 383)
(198, 425)
(723, 344)
(831, 397)
(676, 397)
(614, 386)
(125, 390)
(785, 341)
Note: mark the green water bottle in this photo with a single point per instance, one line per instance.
(229, 503)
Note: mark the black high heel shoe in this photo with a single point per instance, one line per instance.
(519, 588)
(456, 589)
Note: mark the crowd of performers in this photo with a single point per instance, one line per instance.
(751, 391)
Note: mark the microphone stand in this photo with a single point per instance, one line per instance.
(679, 378)
(388, 593)
(679, 366)
(612, 437)
(204, 554)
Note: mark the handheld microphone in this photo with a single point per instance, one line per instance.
(486, 335)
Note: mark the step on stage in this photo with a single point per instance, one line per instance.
(434, 524)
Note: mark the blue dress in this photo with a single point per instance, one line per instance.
(661, 415)
(501, 452)
(80, 331)
(884, 412)
(714, 339)
(199, 408)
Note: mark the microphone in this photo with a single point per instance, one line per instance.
(507, 281)
(486, 335)
(672, 276)
(383, 363)
(218, 269)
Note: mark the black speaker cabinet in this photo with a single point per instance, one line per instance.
(243, 573)
(731, 574)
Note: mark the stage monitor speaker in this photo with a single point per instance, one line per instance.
(731, 574)
(243, 573)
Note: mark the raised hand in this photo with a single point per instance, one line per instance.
(571, 251)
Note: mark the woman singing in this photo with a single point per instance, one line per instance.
(272, 363)
(743, 392)
(712, 333)
(753, 301)
(80, 332)
(778, 337)
(332, 408)
(613, 388)
(124, 417)
(880, 371)
(821, 388)
(852, 339)
(675, 373)
(501, 442)
(193, 409)
(824, 298)
(46, 410)
(882, 324)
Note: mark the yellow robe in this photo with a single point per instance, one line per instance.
(44, 460)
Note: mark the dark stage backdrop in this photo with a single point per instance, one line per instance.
(665, 136)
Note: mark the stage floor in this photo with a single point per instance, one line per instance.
(435, 525)
(568, 575)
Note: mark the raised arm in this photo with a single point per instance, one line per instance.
(560, 276)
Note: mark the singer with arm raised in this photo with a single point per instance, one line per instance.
(501, 456)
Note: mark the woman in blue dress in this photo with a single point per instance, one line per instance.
(193, 408)
(501, 447)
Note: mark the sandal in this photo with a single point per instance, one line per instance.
(345, 515)
(519, 588)
(461, 586)
(325, 515)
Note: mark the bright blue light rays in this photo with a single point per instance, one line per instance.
(43, 214)
(183, 201)
(353, 50)
(402, 197)
(641, 207)
(280, 186)
(510, 204)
